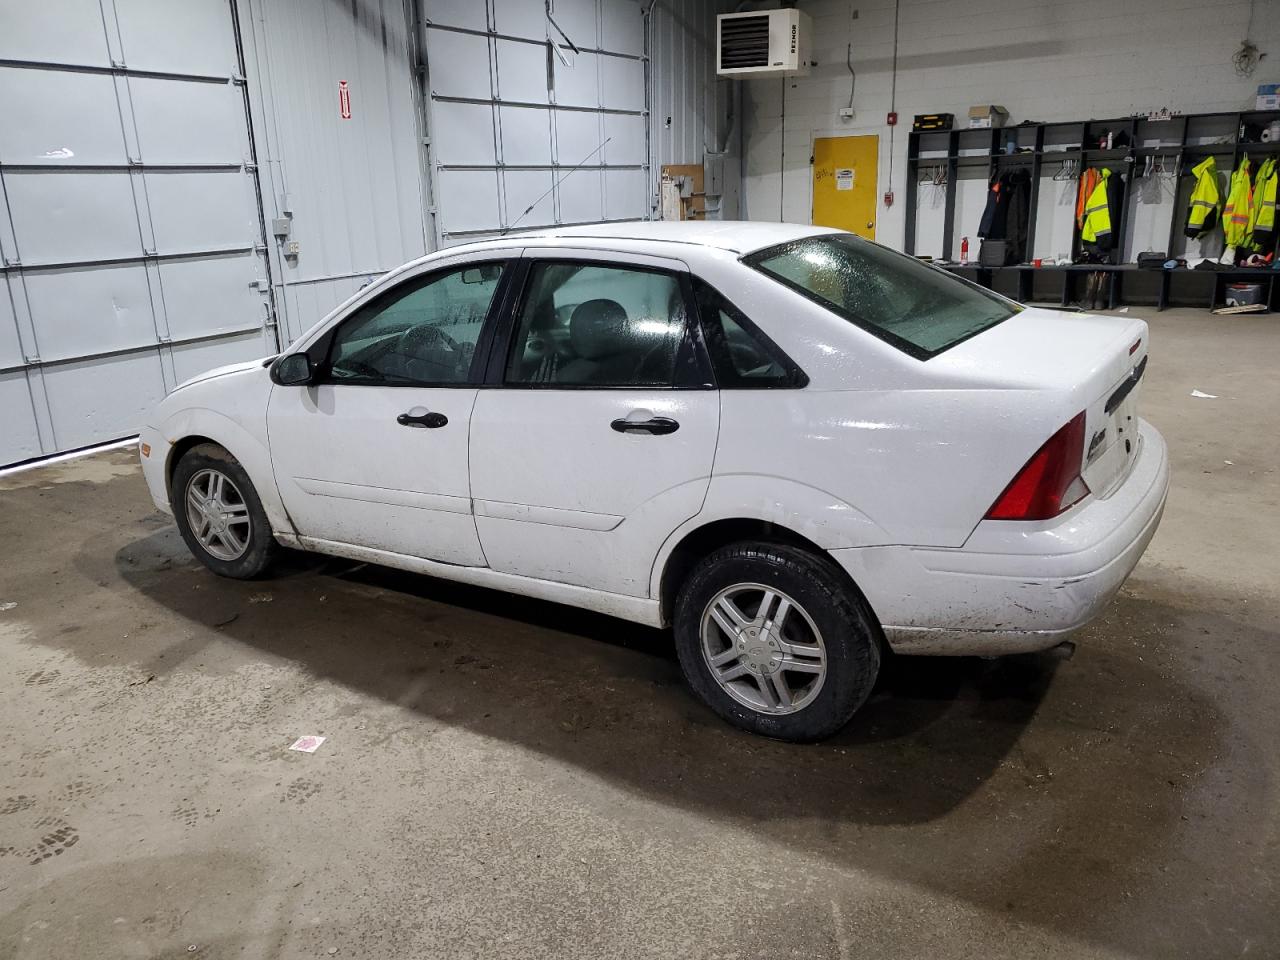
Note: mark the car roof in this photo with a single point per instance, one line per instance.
(735, 236)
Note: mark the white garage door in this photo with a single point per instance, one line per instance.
(133, 245)
(563, 89)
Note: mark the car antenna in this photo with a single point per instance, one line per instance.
(529, 209)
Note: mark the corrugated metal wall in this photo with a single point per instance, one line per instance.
(690, 104)
(350, 187)
(693, 109)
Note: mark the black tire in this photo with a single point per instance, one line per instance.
(850, 636)
(261, 549)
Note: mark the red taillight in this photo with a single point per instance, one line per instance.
(1050, 482)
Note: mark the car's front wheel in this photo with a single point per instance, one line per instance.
(219, 514)
(775, 641)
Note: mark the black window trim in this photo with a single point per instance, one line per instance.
(522, 281)
(321, 349)
(753, 259)
(796, 378)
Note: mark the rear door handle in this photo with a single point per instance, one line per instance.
(654, 425)
(421, 420)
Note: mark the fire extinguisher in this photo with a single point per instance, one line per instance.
(964, 249)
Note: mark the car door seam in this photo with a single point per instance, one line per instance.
(471, 499)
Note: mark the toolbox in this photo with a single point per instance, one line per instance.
(925, 122)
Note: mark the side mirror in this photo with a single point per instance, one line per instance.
(293, 370)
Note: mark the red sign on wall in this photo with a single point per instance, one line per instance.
(344, 100)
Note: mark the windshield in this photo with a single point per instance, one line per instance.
(920, 309)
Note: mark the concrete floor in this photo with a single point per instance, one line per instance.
(511, 779)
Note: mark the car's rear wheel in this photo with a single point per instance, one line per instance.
(219, 514)
(776, 641)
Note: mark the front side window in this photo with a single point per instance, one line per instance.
(422, 333)
(588, 325)
(919, 309)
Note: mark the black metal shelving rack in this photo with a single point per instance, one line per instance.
(1052, 142)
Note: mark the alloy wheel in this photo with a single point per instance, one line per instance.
(763, 648)
(218, 515)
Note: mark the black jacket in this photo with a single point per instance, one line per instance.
(1007, 213)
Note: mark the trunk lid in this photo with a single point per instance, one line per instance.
(1096, 363)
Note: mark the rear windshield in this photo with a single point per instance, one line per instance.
(918, 308)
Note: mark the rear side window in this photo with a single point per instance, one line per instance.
(742, 356)
(919, 309)
(590, 325)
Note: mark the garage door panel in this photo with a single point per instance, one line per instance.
(470, 133)
(54, 117)
(526, 135)
(578, 85)
(626, 194)
(572, 132)
(520, 18)
(456, 61)
(97, 400)
(622, 28)
(192, 359)
(188, 122)
(50, 211)
(19, 440)
(626, 138)
(211, 295)
(201, 211)
(469, 199)
(54, 31)
(101, 293)
(524, 187)
(456, 13)
(10, 345)
(577, 134)
(85, 310)
(194, 36)
(582, 197)
(622, 83)
(577, 18)
(522, 71)
(472, 238)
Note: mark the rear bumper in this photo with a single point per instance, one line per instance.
(1016, 587)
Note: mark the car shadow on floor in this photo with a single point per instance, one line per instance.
(603, 693)
(942, 780)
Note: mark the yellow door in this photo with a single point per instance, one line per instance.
(844, 183)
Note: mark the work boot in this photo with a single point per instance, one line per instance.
(1090, 284)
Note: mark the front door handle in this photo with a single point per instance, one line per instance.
(421, 420)
(654, 425)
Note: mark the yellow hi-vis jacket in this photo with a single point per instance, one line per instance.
(1206, 199)
(1235, 219)
(1262, 213)
(1097, 216)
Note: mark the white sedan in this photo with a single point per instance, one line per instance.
(796, 447)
